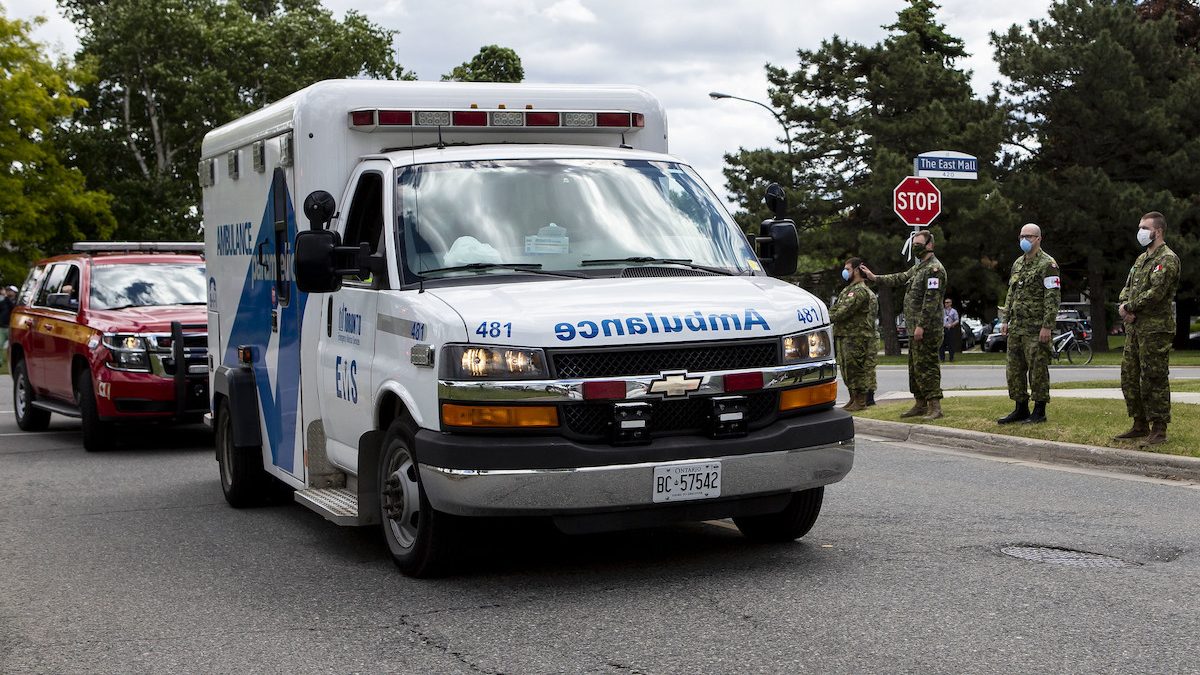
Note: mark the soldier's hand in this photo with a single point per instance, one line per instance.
(1004, 329)
(866, 271)
(1044, 335)
(919, 334)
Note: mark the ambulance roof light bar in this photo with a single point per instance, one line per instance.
(134, 246)
(500, 118)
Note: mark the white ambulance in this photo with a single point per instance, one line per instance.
(431, 301)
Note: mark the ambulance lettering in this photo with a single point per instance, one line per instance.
(345, 379)
(695, 322)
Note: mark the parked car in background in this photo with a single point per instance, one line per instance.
(975, 327)
(901, 331)
(116, 332)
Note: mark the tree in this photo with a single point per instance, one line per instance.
(493, 63)
(165, 72)
(1105, 100)
(858, 115)
(44, 204)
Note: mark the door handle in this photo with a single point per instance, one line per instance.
(48, 327)
(329, 318)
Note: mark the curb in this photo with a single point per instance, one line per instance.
(1172, 467)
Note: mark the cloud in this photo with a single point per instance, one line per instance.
(569, 11)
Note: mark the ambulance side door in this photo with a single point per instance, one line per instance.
(349, 318)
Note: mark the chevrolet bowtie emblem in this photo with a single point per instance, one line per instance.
(674, 384)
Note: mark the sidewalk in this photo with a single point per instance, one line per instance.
(1176, 396)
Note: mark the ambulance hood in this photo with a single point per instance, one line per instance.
(590, 312)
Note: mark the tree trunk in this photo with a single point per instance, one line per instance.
(887, 321)
(1183, 323)
(1099, 309)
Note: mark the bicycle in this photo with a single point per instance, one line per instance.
(1078, 352)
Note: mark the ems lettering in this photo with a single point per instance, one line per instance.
(345, 379)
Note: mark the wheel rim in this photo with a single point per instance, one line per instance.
(402, 499)
(20, 397)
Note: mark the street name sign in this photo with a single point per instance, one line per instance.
(917, 201)
(946, 164)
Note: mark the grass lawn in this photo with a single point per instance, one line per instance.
(1086, 421)
(1189, 357)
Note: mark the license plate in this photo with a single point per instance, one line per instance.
(681, 482)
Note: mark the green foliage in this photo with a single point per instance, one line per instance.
(165, 72)
(493, 63)
(44, 204)
(1104, 99)
(858, 116)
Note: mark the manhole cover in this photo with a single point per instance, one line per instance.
(1064, 556)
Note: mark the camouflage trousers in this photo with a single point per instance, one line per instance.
(856, 358)
(1144, 375)
(1028, 368)
(924, 370)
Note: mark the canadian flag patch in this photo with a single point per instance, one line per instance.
(1052, 282)
(1158, 267)
(934, 282)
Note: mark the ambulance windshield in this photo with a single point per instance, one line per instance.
(562, 214)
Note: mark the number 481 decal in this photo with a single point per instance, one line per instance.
(494, 329)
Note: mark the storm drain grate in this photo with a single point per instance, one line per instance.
(1064, 556)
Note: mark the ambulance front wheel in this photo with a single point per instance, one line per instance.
(418, 537)
(789, 524)
(243, 479)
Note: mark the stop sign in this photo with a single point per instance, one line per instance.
(917, 201)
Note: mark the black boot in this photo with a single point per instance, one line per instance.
(1039, 413)
(871, 397)
(1021, 412)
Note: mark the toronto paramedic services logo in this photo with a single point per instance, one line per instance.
(672, 385)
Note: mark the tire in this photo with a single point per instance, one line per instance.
(420, 539)
(789, 524)
(1079, 353)
(97, 435)
(243, 479)
(29, 418)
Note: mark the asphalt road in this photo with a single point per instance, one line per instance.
(130, 561)
(895, 378)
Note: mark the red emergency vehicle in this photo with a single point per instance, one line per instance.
(115, 332)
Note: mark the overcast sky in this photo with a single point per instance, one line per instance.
(678, 50)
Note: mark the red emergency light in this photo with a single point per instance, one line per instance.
(500, 118)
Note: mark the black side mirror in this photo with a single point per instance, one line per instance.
(778, 243)
(319, 207)
(314, 260)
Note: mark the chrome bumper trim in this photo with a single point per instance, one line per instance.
(636, 386)
(604, 488)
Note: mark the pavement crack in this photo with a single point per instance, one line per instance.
(443, 646)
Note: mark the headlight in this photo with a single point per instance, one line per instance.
(469, 362)
(806, 346)
(127, 352)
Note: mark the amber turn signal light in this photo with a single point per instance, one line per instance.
(803, 397)
(499, 416)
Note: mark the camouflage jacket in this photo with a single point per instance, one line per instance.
(1034, 293)
(1150, 290)
(926, 283)
(853, 312)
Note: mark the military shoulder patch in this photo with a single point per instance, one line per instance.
(934, 282)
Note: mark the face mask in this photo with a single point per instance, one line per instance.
(846, 274)
(1026, 245)
(1145, 237)
(919, 250)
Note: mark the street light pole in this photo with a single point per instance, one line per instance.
(787, 134)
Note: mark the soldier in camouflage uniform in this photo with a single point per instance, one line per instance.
(926, 284)
(1029, 313)
(853, 315)
(1146, 308)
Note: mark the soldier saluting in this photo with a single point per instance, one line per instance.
(1034, 292)
(853, 315)
(1149, 326)
(926, 282)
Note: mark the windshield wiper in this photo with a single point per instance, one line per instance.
(686, 262)
(531, 268)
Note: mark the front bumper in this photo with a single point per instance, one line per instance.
(124, 395)
(782, 458)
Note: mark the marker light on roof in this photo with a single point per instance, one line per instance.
(579, 119)
(639, 120)
(610, 119)
(395, 118)
(470, 118)
(507, 118)
(362, 118)
(433, 118)
(541, 119)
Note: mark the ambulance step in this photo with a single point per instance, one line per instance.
(337, 504)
